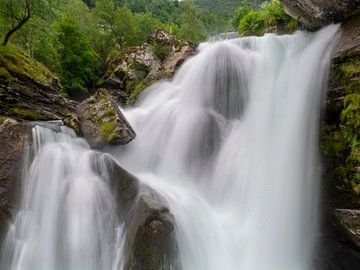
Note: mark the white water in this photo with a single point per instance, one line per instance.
(231, 143)
(67, 218)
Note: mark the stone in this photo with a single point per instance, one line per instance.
(350, 220)
(149, 225)
(335, 249)
(13, 136)
(314, 14)
(72, 121)
(150, 235)
(131, 70)
(102, 122)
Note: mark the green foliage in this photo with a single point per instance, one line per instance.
(240, 13)
(258, 20)
(252, 23)
(341, 144)
(16, 63)
(78, 60)
(191, 28)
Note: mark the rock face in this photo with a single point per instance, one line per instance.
(13, 136)
(28, 90)
(149, 225)
(313, 14)
(151, 237)
(336, 248)
(102, 122)
(350, 220)
(130, 71)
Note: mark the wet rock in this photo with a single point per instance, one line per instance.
(150, 234)
(124, 185)
(102, 122)
(131, 70)
(314, 14)
(13, 136)
(350, 220)
(72, 121)
(336, 249)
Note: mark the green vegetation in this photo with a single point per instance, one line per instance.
(15, 63)
(250, 20)
(341, 144)
(107, 131)
(23, 113)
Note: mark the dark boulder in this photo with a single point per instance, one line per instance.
(149, 225)
(150, 235)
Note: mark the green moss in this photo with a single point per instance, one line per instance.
(346, 72)
(140, 86)
(107, 131)
(2, 119)
(18, 64)
(23, 113)
(5, 74)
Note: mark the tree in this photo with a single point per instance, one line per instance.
(17, 16)
(78, 60)
(191, 28)
(240, 13)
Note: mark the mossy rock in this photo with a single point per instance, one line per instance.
(102, 122)
(340, 140)
(23, 113)
(15, 63)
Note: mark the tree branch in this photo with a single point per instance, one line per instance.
(20, 23)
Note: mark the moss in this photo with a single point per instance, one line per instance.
(2, 119)
(107, 130)
(18, 64)
(5, 74)
(23, 113)
(140, 86)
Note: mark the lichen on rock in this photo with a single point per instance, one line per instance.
(102, 122)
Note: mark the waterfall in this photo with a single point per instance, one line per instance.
(67, 218)
(231, 144)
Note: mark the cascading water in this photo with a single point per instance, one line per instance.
(230, 143)
(67, 218)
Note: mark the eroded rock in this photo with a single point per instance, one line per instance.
(102, 122)
(314, 14)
